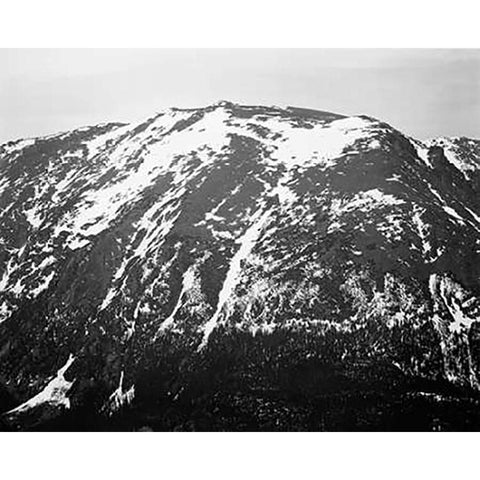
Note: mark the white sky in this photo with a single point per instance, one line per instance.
(424, 93)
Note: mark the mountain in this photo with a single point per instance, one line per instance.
(240, 268)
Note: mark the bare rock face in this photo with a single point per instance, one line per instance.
(236, 262)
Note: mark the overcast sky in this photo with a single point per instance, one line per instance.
(424, 93)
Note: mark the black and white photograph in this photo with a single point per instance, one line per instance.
(230, 238)
(230, 265)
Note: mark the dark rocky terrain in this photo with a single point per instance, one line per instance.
(240, 268)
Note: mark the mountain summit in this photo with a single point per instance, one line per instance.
(240, 267)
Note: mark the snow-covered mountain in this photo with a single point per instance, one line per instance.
(223, 262)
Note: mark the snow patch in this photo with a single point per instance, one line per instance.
(187, 283)
(365, 201)
(33, 217)
(43, 285)
(453, 213)
(120, 398)
(54, 394)
(422, 151)
(322, 144)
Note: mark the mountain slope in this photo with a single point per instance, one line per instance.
(209, 251)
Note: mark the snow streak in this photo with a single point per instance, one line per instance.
(247, 242)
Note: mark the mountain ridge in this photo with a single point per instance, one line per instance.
(223, 103)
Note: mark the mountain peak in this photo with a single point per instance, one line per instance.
(223, 103)
(217, 256)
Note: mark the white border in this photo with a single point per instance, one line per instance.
(245, 23)
(229, 456)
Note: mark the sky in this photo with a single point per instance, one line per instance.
(423, 92)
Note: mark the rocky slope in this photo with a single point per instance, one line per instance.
(235, 263)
